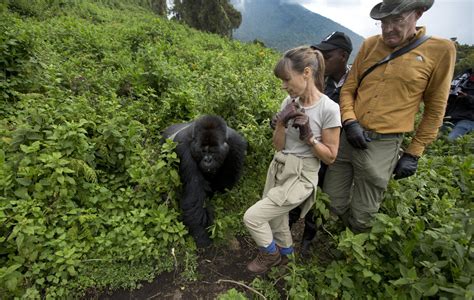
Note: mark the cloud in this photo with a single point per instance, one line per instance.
(447, 18)
(336, 3)
(239, 4)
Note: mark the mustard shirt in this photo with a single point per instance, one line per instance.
(390, 96)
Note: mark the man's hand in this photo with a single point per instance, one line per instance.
(406, 166)
(301, 122)
(356, 135)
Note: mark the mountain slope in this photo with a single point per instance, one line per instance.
(282, 26)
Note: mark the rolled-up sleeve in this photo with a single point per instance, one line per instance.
(435, 100)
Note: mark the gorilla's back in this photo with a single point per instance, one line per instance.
(171, 131)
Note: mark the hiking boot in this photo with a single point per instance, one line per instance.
(284, 257)
(284, 260)
(264, 262)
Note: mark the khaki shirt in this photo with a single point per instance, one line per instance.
(390, 96)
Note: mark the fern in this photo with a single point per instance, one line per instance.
(81, 166)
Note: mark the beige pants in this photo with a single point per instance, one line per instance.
(267, 221)
(291, 182)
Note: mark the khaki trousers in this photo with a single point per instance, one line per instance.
(358, 178)
(291, 182)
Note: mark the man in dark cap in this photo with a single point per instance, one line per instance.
(378, 107)
(336, 49)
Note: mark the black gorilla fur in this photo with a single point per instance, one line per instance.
(211, 160)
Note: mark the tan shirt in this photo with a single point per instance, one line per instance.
(390, 96)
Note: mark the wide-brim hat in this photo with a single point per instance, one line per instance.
(395, 7)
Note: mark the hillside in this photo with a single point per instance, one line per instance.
(89, 195)
(282, 26)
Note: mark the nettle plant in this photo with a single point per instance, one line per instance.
(78, 190)
(420, 245)
(88, 192)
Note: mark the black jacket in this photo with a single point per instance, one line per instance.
(461, 107)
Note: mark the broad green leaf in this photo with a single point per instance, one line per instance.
(34, 147)
(22, 193)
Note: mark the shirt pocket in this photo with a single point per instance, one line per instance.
(412, 69)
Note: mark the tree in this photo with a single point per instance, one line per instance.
(465, 58)
(159, 7)
(215, 16)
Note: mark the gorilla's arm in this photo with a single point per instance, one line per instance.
(195, 188)
(231, 169)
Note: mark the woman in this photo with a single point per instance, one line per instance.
(307, 131)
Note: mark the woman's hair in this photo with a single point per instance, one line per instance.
(297, 59)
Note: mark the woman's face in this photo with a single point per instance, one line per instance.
(296, 84)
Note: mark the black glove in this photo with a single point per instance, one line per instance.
(301, 122)
(356, 135)
(406, 166)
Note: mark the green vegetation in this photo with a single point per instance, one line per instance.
(87, 194)
(421, 244)
(465, 58)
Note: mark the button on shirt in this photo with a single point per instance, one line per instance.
(390, 96)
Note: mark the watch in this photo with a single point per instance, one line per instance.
(314, 141)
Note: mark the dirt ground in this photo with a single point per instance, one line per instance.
(219, 268)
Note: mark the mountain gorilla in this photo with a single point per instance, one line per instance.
(211, 159)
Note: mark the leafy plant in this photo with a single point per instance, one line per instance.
(88, 188)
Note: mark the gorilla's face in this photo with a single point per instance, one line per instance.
(208, 147)
(212, 157)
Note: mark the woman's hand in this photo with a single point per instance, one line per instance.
(288, 113)
(301, 121)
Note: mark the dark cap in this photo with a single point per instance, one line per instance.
(335, 40)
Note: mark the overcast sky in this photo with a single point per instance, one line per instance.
(446, 18)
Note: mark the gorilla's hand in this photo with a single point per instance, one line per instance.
(201, 237)
(301, 122)
(288, 113)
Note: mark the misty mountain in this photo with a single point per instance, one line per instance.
(282, 26)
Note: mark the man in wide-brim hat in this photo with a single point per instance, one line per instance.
(378, 110)
(402, 15)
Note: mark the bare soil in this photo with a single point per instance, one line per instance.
(219, 268)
